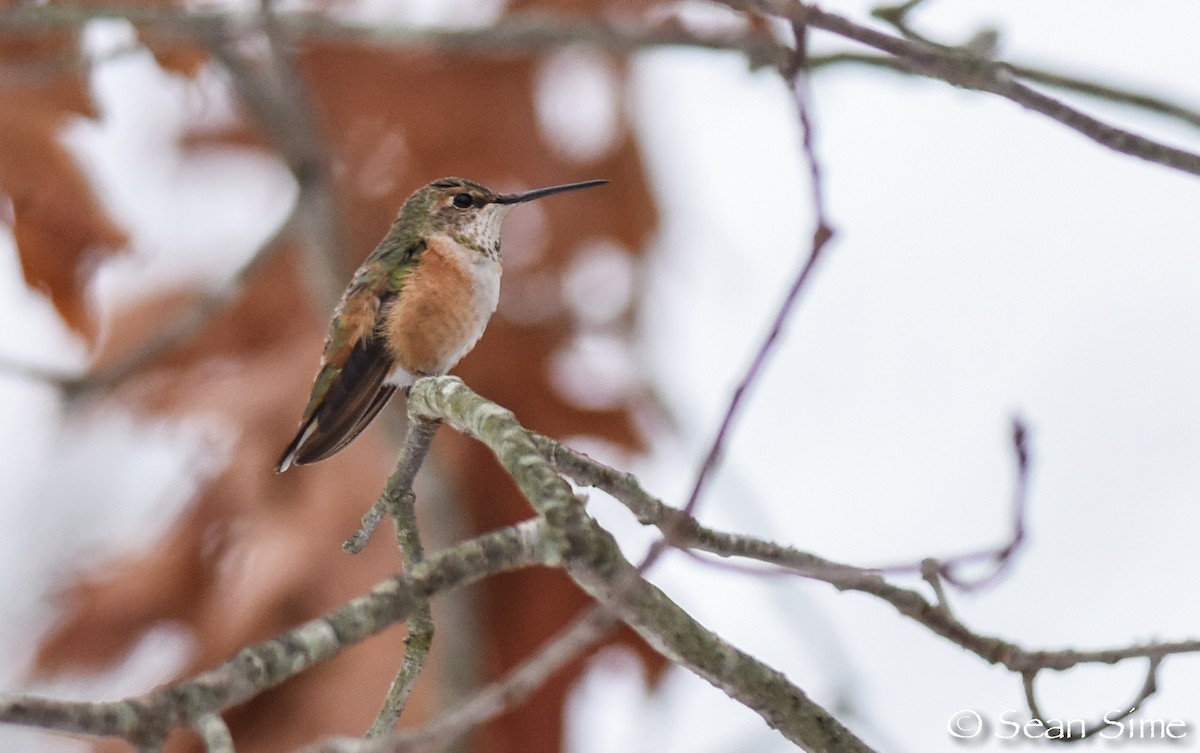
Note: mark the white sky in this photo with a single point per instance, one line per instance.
(987, 262)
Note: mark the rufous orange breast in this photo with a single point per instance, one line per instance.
(442, 310)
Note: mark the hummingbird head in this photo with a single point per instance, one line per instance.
(469, 212)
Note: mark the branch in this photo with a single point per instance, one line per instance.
(145, 721)
(1149, 688)
(517, 33)
(795, 72)
(420, 622)
(276, 100)
(191, 321)
(592, 558)
(399, 499)
(1000, 558)
(417, 439)
(215, 733)
(969, 71)
(686, 532)
(1066, 82)
(491, 701)
(529, 32)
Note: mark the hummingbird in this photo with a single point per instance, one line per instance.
(415, 307)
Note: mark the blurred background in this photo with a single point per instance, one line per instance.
(177, 218)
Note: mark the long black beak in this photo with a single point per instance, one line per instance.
(537, 193)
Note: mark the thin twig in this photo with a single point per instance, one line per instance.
(821, 236)
(591, 557)
(795, 71)
(494, 699)
(215, 733)
(191, 320)
(931, 573)
(147, 720)
(420, 622)
(276, 99)
(687, 532)
(750, 376)
(417, 439)
(1149, 688)
(967, 70)
(897, 16)
(999, 558)
(1104, 92)
(1107, 92)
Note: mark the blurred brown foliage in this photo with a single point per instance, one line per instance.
(256, 552)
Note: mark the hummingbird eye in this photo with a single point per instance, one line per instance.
(463, 200)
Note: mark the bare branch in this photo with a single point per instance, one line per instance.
(969, 71)
(796, 72)
(124, 719)
(215, 733)
(523, 32)
(1105, 92)
(420, 622)
(190, 321)
(593, 559)
(960, 66)
(1149, 688)
(897, 16)
(687, 532)
(146, 721)
(273, 92)
(492, 700)
(417, 438)
(1000, 558)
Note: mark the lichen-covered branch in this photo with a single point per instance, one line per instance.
(418, 436)
(147, 720)
(420, 622)
(593, 559)
(685, 532)
(565, 535)
(400, 500)
(492, 700)
(215, 733)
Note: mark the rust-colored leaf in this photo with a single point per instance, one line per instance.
(61, 229)
(394, 120)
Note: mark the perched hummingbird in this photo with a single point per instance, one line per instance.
(415, 307)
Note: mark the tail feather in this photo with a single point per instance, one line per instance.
(353, 399)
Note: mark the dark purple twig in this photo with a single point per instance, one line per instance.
(821, 236)
(1000, 557)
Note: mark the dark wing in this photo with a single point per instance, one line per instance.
(349, 389)
(352, 399)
